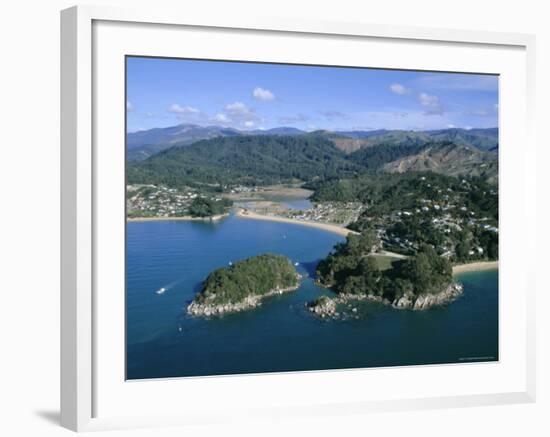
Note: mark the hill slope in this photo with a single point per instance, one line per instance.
(449, 159)
(253, 160)
(482, 139)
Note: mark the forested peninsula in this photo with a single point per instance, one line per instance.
(352, 272)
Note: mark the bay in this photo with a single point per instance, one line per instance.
(163, 341)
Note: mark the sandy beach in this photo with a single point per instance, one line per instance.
(475, 266)
(325, 226)
(183, 218)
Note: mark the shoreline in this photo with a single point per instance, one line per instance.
(186, 218)
(475, 267)
(200, 309)
(328, 307)
(247, 214)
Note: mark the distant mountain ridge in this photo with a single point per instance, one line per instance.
(143, 144)
(272, 159)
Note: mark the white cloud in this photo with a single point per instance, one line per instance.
(129, 106)
(239, 114)
(451, 126)
(263, 94)
(238, 108)
(239, 111)
(182, 110)
(222, 118)
(248, 124)
(432, 104)
(399, 89)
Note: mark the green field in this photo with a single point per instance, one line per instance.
(384, 262)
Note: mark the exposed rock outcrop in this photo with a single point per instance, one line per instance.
(328, 307)
(208, 309)
(324, 307)
(424, 301)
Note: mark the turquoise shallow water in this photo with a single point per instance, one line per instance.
(162, 341)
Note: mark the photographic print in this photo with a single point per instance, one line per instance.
(300, 217)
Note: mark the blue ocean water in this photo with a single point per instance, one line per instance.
(162, 341)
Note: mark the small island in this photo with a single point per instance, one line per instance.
(244, 284)
(352, 272)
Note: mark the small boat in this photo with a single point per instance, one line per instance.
(160, 290)
(296, 264)
(230, 263)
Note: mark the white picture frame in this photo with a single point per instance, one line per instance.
(83, 225)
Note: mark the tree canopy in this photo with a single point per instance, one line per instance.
(257, 275)
(351, 269)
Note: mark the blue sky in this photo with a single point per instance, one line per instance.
(167, 92)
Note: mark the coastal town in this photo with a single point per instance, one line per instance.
(338, 213)
(436, 214)
(152, 201)
(445, 220)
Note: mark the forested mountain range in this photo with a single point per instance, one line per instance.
(269, 159)
(248, 160)
(143, 144)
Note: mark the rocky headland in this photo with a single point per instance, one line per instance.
(341, 305)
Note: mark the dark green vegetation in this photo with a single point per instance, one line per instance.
(459, 217)
(350, 259)
(143, 144)
(247, 160)
(384, 193)
(204, 207)
(255, 276)
(352, 269)
(280, 157)
(372, 158)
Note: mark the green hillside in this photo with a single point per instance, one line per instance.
(248, 160)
